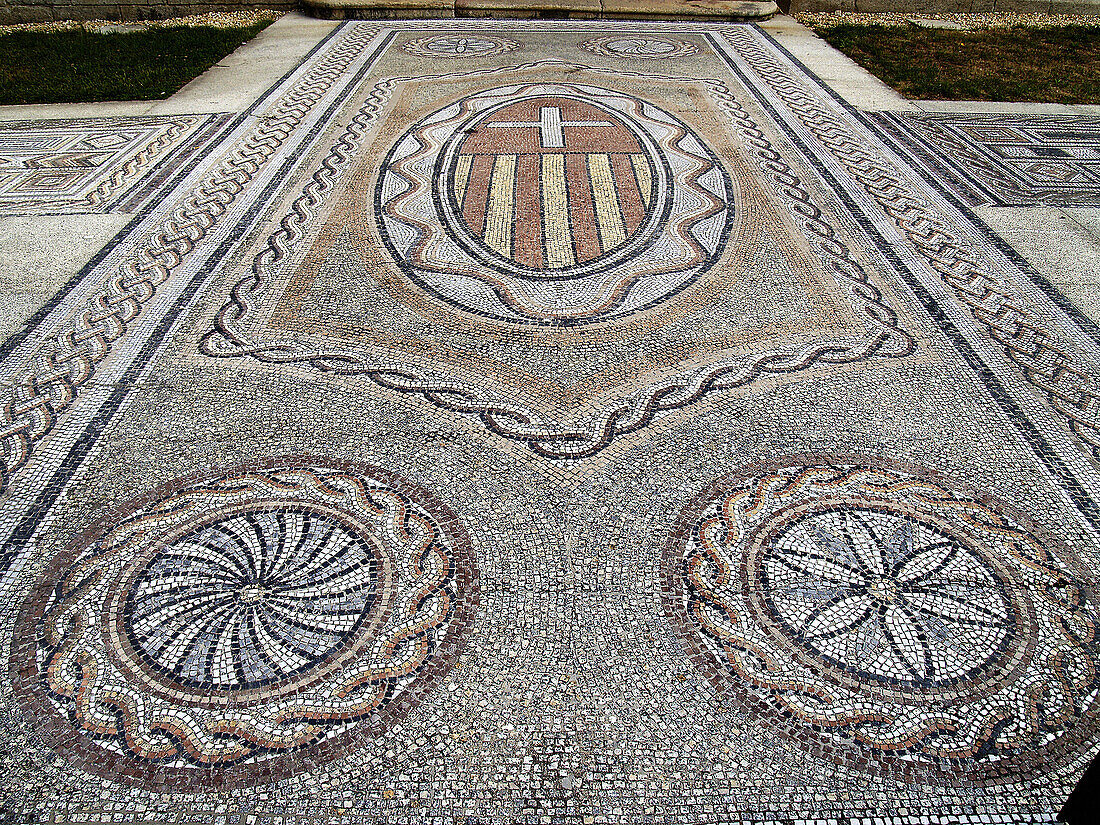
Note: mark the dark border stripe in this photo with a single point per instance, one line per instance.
(955, 178)
(31, 324)
(139, 194)
(74, 457)
(1085, 323)
(1027, 429)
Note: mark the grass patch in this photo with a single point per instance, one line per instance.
(79, 66)
(1059, 64)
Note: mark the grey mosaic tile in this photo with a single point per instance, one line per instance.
(529, 422)
(1021, 160)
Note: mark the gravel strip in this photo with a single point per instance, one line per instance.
(221, 19)
(946, 21)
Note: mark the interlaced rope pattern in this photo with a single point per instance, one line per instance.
(1025, 340)
(884, 337)
(136, 162)
(68, 358)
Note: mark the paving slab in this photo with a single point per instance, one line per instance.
(39, 254)
(231, 84)
(1062, 243)
(843, 75)
(587, 421)
(237, 80)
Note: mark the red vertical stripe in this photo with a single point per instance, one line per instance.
(626, 186)
(477, 194)
(527, 247)
(582, 212)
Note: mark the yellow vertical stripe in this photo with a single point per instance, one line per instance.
(555, 213)
(500, 214)
(462, 177)
(609, 218)
(641, 173)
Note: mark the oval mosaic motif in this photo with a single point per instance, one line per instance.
(553, 204)
(886, 620)
(459, 46)
(643, 48)
(237, 620)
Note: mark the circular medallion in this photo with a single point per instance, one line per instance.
(553, 204)
(881, 618)
(646, 48)
(250, 599)
(882, 596)
(459, 46)
(236, 620)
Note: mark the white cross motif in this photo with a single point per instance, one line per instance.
(550, 126)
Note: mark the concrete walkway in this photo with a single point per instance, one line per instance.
(452, 421)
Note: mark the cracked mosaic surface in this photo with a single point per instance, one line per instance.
(521, 422)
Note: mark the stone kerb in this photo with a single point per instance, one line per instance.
(41, 11)
(682, 10)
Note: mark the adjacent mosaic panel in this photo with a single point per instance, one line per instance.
(94, 165)
(892, 622)
(235, 620)
(1005, 159)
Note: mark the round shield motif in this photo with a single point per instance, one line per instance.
(459, 46)
(242, 618)
(645, 48)
(553, 204)
(886, 620)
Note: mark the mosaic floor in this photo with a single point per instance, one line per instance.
(549, 423)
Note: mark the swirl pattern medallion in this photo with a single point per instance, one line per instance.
(235, 620)
(879, 617)
(251, 599)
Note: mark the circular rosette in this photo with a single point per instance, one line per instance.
(887, 617)
(643, 48)
(241, 618)
(459, 46)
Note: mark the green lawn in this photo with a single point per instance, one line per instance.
(77, 66)
(1046, 65)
